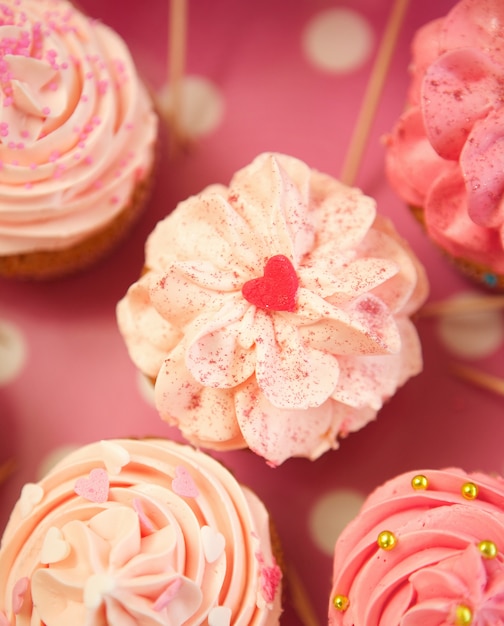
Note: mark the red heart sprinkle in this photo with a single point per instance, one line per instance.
(276, 290)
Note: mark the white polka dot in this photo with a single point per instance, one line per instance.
(12, 352)
(472, 335)
(202, 106)
(338, 40)
(50, 460)
(146, 389)
(331, 513)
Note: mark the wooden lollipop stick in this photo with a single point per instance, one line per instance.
(300, 600)
(373, 92)
(6, 470)
(479, 378)
(459, 306)
(177, 33)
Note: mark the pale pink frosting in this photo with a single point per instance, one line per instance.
(77, 128)
(445, 153)
(173, 540)
(231, 373)
(437, 567)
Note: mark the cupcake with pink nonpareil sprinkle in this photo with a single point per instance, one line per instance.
(77, 139)
(139, 532)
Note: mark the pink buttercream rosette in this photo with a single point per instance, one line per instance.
(446, 153)
(233, 373)
(445, 565)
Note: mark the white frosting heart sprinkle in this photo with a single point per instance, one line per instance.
(214, 543)
(115, 456)
(55, 548)
(31, 495)
(219, 616)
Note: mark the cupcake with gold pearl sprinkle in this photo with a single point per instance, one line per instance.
(426, 549)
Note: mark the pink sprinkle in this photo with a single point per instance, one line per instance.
(25, 134)
(20, 146)
(129, 126)
(54, 156)
(46, 111)
(77, 156)
(145, 522)
(84, 98)
(11, 145)
(28, 185)
(98, 184)
(59, 171)
(33, 166)
(64, 66)
(88, 160)
(270, 579)
(183, 483)
(53, 86)
(89, 75)
(95, 488)
(82, 145)
(7, 102)
(167, 595)
(114, 200)
(18, 594)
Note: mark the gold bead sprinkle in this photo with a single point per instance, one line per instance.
(341, 602)
(469, 491)
(463, 615)
(488, 549)
(419, 482)
(387, 540)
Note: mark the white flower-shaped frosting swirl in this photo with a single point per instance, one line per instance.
(236, 366)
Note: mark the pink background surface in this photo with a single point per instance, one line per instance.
(78, 384)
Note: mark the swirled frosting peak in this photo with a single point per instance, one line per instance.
(274, 313)
(445, 152)
(426, 549)
(168, 538)
(77, 128)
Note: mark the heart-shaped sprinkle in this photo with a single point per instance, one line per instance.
(55, 548)
(18, 594)
(183, 484)
(146, 525)
(219, 616)
(167, 595)
(114, 456)
(97, 586)
(31, 495)
(95, 488)
(213, 543)
(276, 289)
